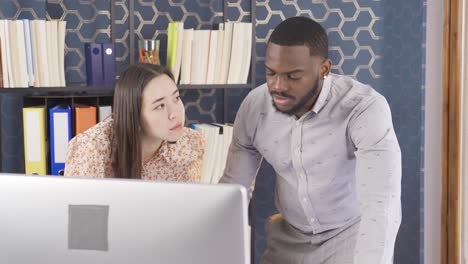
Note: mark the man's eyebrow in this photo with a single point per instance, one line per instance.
(295, 71)
(290, 72)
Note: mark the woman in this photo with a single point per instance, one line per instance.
(145, 138)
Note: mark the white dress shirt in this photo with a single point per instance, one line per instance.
(337, 164)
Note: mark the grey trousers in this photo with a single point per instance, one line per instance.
(286, 244)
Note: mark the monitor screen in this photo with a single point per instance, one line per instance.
(54, 219)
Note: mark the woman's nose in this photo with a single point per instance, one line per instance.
(172, 115)
(173, 112)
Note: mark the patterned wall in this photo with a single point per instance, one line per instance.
(403, 86)
(367, 41)
(422, 95)
(85, 23)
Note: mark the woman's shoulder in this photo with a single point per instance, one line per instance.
(89, 152)
(189, 147)
(98, 135)
(193, 138)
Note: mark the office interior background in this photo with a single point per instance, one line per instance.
(380, 43)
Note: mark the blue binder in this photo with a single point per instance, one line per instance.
(108, 61)
(60, 122)
(94, 64)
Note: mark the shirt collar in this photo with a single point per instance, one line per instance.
(322, 99)
(164, 152)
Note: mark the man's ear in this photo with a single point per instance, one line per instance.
(325, 68)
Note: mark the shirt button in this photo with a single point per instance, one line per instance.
(298, 151)
(312, 220)
(302, 175)
(304, 199)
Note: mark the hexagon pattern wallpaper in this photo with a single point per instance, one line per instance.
(368, 41)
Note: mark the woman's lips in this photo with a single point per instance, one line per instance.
(176, 127)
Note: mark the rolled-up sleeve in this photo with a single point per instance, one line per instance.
(243, 161)
(378, 182)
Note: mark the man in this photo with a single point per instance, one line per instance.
(331, 142)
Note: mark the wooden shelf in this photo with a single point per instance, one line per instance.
(214, 86)
(105, 90)
(60, 91)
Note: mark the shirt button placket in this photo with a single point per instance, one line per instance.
(296, 142)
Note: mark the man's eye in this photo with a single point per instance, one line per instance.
(270, 73)
(177, 98)
(294, 77)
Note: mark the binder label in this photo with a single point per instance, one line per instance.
(60, 136)
(33, 137)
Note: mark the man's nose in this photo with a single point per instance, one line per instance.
(279, 84)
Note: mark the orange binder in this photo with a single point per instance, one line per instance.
(85, 117)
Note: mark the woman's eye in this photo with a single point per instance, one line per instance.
(159, 107)
(177, 98)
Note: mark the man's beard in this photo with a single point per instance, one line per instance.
(304, 100)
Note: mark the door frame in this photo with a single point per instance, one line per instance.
(451, 132)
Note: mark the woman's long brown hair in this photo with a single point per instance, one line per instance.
(126, 150)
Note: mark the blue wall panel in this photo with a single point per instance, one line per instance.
(377, 42)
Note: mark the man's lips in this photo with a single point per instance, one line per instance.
(281, 100)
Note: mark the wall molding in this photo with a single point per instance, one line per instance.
(451, 133)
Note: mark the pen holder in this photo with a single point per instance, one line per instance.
(148, 51)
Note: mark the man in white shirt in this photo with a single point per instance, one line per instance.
(331, 142)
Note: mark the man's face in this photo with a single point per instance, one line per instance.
(293, 78)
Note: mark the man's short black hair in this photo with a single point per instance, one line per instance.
(301, 31)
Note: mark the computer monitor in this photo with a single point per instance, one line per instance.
(54, 219)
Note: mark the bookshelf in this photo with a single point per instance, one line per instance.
(51, 91)
(11, 116)
(45, 91)
(74, 89)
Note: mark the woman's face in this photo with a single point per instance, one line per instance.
(162, 111)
